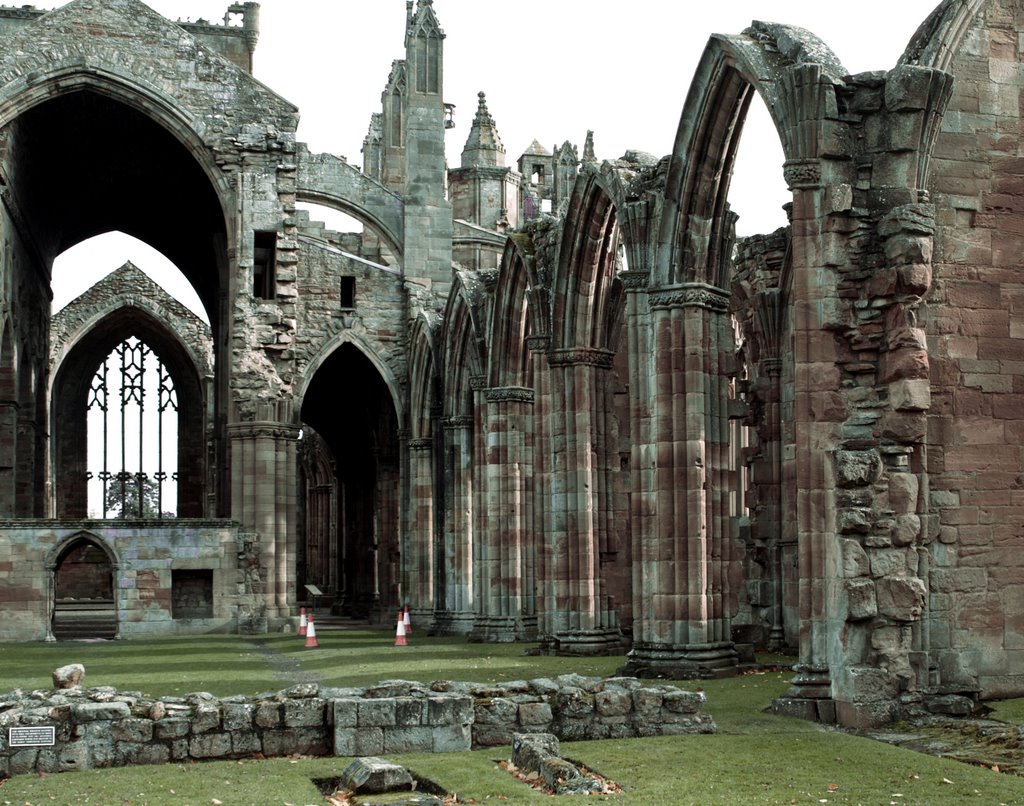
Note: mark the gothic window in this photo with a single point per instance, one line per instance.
(264, 281)
(428, 70)
(132, 412)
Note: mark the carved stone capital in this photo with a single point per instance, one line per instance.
(478, 383)
(460, 421)
(589, 356)
(509, 394)
(421, 444)
(690, 295)
(634, 280)
(802, 174)
(538, 344)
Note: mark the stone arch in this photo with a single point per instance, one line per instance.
(937, 40)
(463, 337)
(69, 390)
(330, 181)
(83, 571)
(796, 75)
(424, 391)
(586, 267)
(361, 434)
(330, 347)
(511, 319)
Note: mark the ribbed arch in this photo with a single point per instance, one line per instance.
(424, 382)
(586, 267)
(937, 41)
(795, 74)
(463, 349)
(510, 320)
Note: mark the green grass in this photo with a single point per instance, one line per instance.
(755, 758)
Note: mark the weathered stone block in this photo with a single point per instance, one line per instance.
(535, 714)
(857, 468)
(614, 702)
(68, 676)
(303, 713)
(496, 711)
(346, 712)
(860, 599)
(238, 716)
(409, 711)
(452, 739)
(376, 713)
(574, 702)
(408, 740)
(171, 728)
(132, 730)
(100, 711)
(901, 598)
(374, 776)
(210, 745)
(369, 741)
(682, 702)
(206, 718)
(245, 742)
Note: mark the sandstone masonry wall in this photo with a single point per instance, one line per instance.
(101, 727)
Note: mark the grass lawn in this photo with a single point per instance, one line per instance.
(755, 758)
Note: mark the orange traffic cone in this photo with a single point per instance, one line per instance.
(400, 631)
(311, 633)
(407, 621)
(302, 621)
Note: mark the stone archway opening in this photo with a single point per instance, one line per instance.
(83, 592)
(349, 412)
(130, 171)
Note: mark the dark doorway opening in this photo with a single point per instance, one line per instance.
(83, 584)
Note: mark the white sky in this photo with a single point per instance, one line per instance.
(551, 69)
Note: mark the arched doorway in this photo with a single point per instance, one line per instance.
(83, 591)
(349, 405)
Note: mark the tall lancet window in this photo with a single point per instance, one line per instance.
(428, 69)
(133, 435)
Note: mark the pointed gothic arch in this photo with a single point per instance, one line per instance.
(69, 391)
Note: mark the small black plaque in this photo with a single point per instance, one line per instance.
(31, 737)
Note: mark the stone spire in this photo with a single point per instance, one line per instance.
(483, 146)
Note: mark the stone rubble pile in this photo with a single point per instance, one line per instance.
(102, 727)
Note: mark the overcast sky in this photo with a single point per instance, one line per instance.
(551, 69)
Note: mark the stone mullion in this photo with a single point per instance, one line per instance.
(418, 559)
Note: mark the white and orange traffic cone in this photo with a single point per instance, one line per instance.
(400, 631)
(407, 621)
(302, 621)
(311, 633)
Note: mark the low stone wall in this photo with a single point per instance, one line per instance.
(101, 727)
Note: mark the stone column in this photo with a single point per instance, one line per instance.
(507, 533)
(683, 544)
(418, 550)
(538, 345)
(577, 617)
(808, 483)
(456, 615)
(263, 501)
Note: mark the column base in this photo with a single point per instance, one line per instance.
(499, 630)
(452, 622)
(809, 695)
(682, 661)
(601, 641)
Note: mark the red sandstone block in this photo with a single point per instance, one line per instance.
(983, 457)
(1008, 406)
(964, 294)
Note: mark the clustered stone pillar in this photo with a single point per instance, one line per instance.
(575, 613)
(263, 493)
(682, 546)
(456, 613)
(418, 552)
(507, 548)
